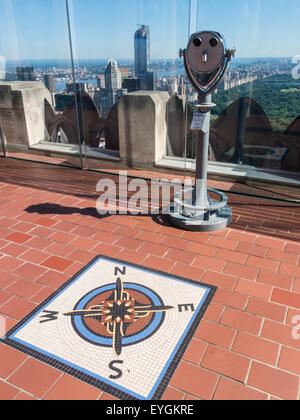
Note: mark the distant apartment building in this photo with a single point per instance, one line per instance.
(100, 82)
(125, 73)
(132, 84)
(79, 87)
(49, 82)
(182, 90)
(25, 74)
(147, 80)
(173, 87)
(109, 97)
(63, 100)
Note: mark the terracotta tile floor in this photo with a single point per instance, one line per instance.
(244, 347)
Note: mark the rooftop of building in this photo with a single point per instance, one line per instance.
(244, 347)
(143, 31)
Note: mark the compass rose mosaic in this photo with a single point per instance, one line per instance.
(117, 326)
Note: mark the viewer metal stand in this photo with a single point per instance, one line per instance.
(206, 62)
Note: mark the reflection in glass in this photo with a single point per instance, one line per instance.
(66, 100)
(35, 66)
(256, 118)
(134, 50)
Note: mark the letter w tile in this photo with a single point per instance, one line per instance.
(49, 316)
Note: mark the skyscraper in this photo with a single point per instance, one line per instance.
(99, 82)
(142, 49)
(109, 97)
(142, 58)
(25, 73)
(113, 78)
(113, 87)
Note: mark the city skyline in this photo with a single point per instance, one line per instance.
(259, 29)
(126, 61)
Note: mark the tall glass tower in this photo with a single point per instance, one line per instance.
(142, 58)
(142, 49)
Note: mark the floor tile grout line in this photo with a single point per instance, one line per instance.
(5, 303)
(55, 383)
(278, 356)
(15, 387)
(286, 316)
(216, 387)
(243, 356)
(233, 341)
(22, 364)
(100, 395)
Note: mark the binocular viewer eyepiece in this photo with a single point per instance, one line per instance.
(199, 41)
(206, 60)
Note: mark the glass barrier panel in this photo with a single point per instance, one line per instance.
(256, 121)
(128, 55)
(37, 111)
(100, 85)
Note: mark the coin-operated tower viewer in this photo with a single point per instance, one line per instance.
(206, 60)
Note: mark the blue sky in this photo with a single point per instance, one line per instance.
(37, 29)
